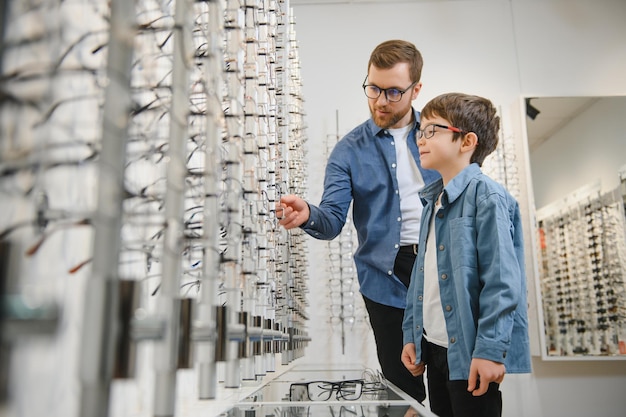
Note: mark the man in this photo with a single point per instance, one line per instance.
(377, 167)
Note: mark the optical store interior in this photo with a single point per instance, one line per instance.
(143, 148)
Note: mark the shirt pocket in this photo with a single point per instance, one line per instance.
(463, 252)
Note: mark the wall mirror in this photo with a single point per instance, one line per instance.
(577, 150)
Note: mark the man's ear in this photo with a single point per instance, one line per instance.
(416, 90)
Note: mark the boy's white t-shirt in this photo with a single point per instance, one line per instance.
(410, 182)
(434, 321)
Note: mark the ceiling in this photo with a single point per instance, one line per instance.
(554, 113)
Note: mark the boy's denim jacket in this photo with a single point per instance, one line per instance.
(482, 280)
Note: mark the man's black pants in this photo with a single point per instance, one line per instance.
(386, 323)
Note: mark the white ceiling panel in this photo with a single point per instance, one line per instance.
(554, 113)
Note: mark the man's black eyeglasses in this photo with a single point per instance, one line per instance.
(429, 130)
(349, 390)
(392, 94)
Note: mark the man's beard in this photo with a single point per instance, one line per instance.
(390, 119)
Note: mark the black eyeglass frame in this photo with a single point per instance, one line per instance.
(385, 90)
(422, 134)
(344, 389)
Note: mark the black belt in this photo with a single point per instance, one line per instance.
(409, 249)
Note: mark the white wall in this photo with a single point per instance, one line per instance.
(504, 50)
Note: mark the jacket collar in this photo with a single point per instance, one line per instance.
(454, 188)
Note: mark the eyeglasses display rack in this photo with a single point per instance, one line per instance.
(582, 253)
(143, 148)
(347, 312)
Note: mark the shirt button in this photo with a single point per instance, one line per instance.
(440, 214)
(312, 223)
(389, 272)
(420, 297)
(441, 247)
(399, 219)
(417, 327)
(452, 340)
(396, 246)
(393, 165)
(393, 143)
(444, 276)
(448, 308)
(397, 191)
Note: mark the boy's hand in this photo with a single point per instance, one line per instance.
(408, 359)
(482, 372)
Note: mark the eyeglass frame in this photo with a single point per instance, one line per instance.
(332, 386)
(384, 90)
(422, 134)
(365, 387)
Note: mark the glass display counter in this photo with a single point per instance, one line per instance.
(311, 391)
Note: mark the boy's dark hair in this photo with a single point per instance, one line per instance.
(470, 114)
(390, 53)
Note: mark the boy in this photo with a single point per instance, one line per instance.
(466, 318)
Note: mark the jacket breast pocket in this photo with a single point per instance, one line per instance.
(463, 252)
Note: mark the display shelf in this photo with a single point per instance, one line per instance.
(272, 399)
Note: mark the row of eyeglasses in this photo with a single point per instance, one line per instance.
(583, 277)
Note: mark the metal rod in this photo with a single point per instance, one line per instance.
(101, 295)
(208, 300)
(168, 302)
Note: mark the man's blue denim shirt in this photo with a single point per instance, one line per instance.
(362, 167)
(482, 278)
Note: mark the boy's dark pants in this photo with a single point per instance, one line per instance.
(451, 398)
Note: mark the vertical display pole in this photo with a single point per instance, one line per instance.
(208, 301)
(100, 323)
(168, 301)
